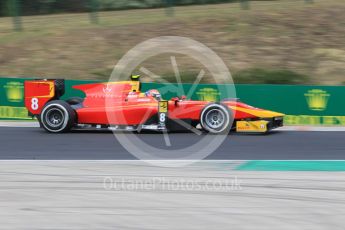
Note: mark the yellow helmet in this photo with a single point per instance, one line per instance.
(135, 77)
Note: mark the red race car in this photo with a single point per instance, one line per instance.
(121, 106)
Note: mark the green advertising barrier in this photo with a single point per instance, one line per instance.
(304, 105)
(12, 99)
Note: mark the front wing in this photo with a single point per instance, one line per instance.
(259, 126)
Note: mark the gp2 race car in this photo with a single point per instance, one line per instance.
(121, 106)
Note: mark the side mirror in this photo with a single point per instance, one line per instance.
(175, 99)
(183, 97)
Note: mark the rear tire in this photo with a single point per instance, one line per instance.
(216, 119)
(57, 117)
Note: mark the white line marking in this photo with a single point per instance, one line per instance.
(313, 128)
(19, 124)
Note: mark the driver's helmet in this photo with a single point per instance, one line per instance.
(153, 93)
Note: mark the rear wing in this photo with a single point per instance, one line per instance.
(38, 92)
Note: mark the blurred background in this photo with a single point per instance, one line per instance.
(272, 42)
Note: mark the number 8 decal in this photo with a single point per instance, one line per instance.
(162, 117)
(34, 103)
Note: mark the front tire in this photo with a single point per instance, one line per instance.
(216, 119)
(57, 117)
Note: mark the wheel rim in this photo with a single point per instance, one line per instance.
(215, 118)
(55, 117)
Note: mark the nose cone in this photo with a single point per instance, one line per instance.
(270, 114)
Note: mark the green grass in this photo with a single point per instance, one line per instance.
(284, 41)
(264, 76)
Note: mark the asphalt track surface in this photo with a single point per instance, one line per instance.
(33, 143)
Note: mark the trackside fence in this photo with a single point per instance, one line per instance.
(303, 105)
